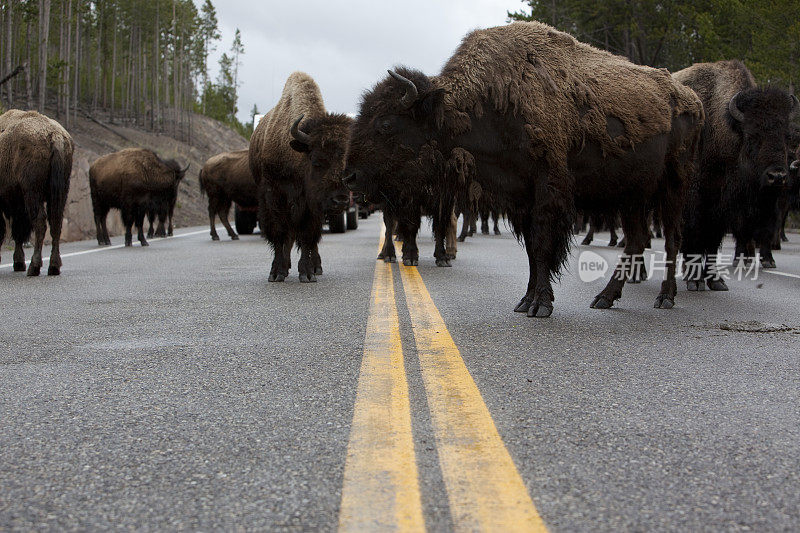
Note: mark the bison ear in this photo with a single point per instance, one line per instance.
(431, 105)
(298, 146)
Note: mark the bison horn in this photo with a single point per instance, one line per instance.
(183, 170)
(733, 109)
(411, 90)
(795, 165)
(298, 134)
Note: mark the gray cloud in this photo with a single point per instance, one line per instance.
(346, 45)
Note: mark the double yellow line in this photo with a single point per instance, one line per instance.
(381, 487)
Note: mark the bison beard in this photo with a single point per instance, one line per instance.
(296, 158)
(742, 167)
(35, 168)
(548, 125)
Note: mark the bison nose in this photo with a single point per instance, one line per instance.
(776, 177)
(350, 180)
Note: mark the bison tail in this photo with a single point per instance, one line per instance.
(60, 172)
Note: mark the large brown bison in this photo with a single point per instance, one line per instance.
(135, 181)
(548, 124)
(35, 167)
(226, 178)
(742, 166)
(296, 158)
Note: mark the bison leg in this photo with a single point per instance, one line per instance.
(161, 230)
(711, 274)
(281, 263)
(212, 220)
(19, 256)
(39, 228)
(451, 243)
(613, 237)
(465, 226)
(151, 217)
(55, 215)
(387, 253)
(99, 224)
(672, 238)
(316, 260)
(407, 231)
(496, 218)
(223, 216)
(127, 219)
(308, 244)
(484, 223)
(633, 224)
(589, 236)
(525, 303)
(441, 224)
(140, 228)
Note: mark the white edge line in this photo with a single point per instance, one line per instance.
(106, 248)
(777, 273)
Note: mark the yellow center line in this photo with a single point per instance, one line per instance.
(381, 487)
(485, 491)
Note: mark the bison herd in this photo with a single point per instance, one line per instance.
(523, 122)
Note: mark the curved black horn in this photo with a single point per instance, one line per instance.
(299, 135)
(795, 165)
(411, 90)
(183, 170)
(733, 109)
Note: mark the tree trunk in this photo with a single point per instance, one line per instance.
(113, 69)
(44, 41)
(9, 43)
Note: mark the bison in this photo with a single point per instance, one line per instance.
(296, 158)
(742, 167)
(35, 168)
(226, 178)
(136, 181)
(549, 125)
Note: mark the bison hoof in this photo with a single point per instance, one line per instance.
(107, 243)
(128, 243)
(145, 243)
(602, 302)
(150, 234)
(523, 306)
(768, 263)
(389, 259)
(318, 271)
(612, 243)
(443, 263)
(497, 232)
(664, 301)
(586, 241)
(53, 270)
(306, 277)
(215, 237)
(410, 262)
(234, 237)
(33, 270)
(19, 266)
(695, 286)
(484, 232)
(540, 310)
(717, 285)
(462, 238)
(276, 277)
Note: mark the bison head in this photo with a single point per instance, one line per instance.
(394, 144)
(324, 143)
(762, 117)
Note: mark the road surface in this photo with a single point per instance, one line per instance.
(172, 387)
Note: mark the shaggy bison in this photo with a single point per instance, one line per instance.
(35, 167)
(742, 166)
(296, 158)
(136, 181)
(548, 124)
(226, 178)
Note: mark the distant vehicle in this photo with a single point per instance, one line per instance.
(344, 220)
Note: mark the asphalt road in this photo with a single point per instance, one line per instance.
(172, 387)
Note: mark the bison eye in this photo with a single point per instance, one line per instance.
(385, 126)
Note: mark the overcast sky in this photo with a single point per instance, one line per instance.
(346, 45)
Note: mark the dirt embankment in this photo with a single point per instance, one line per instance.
(93, 139)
